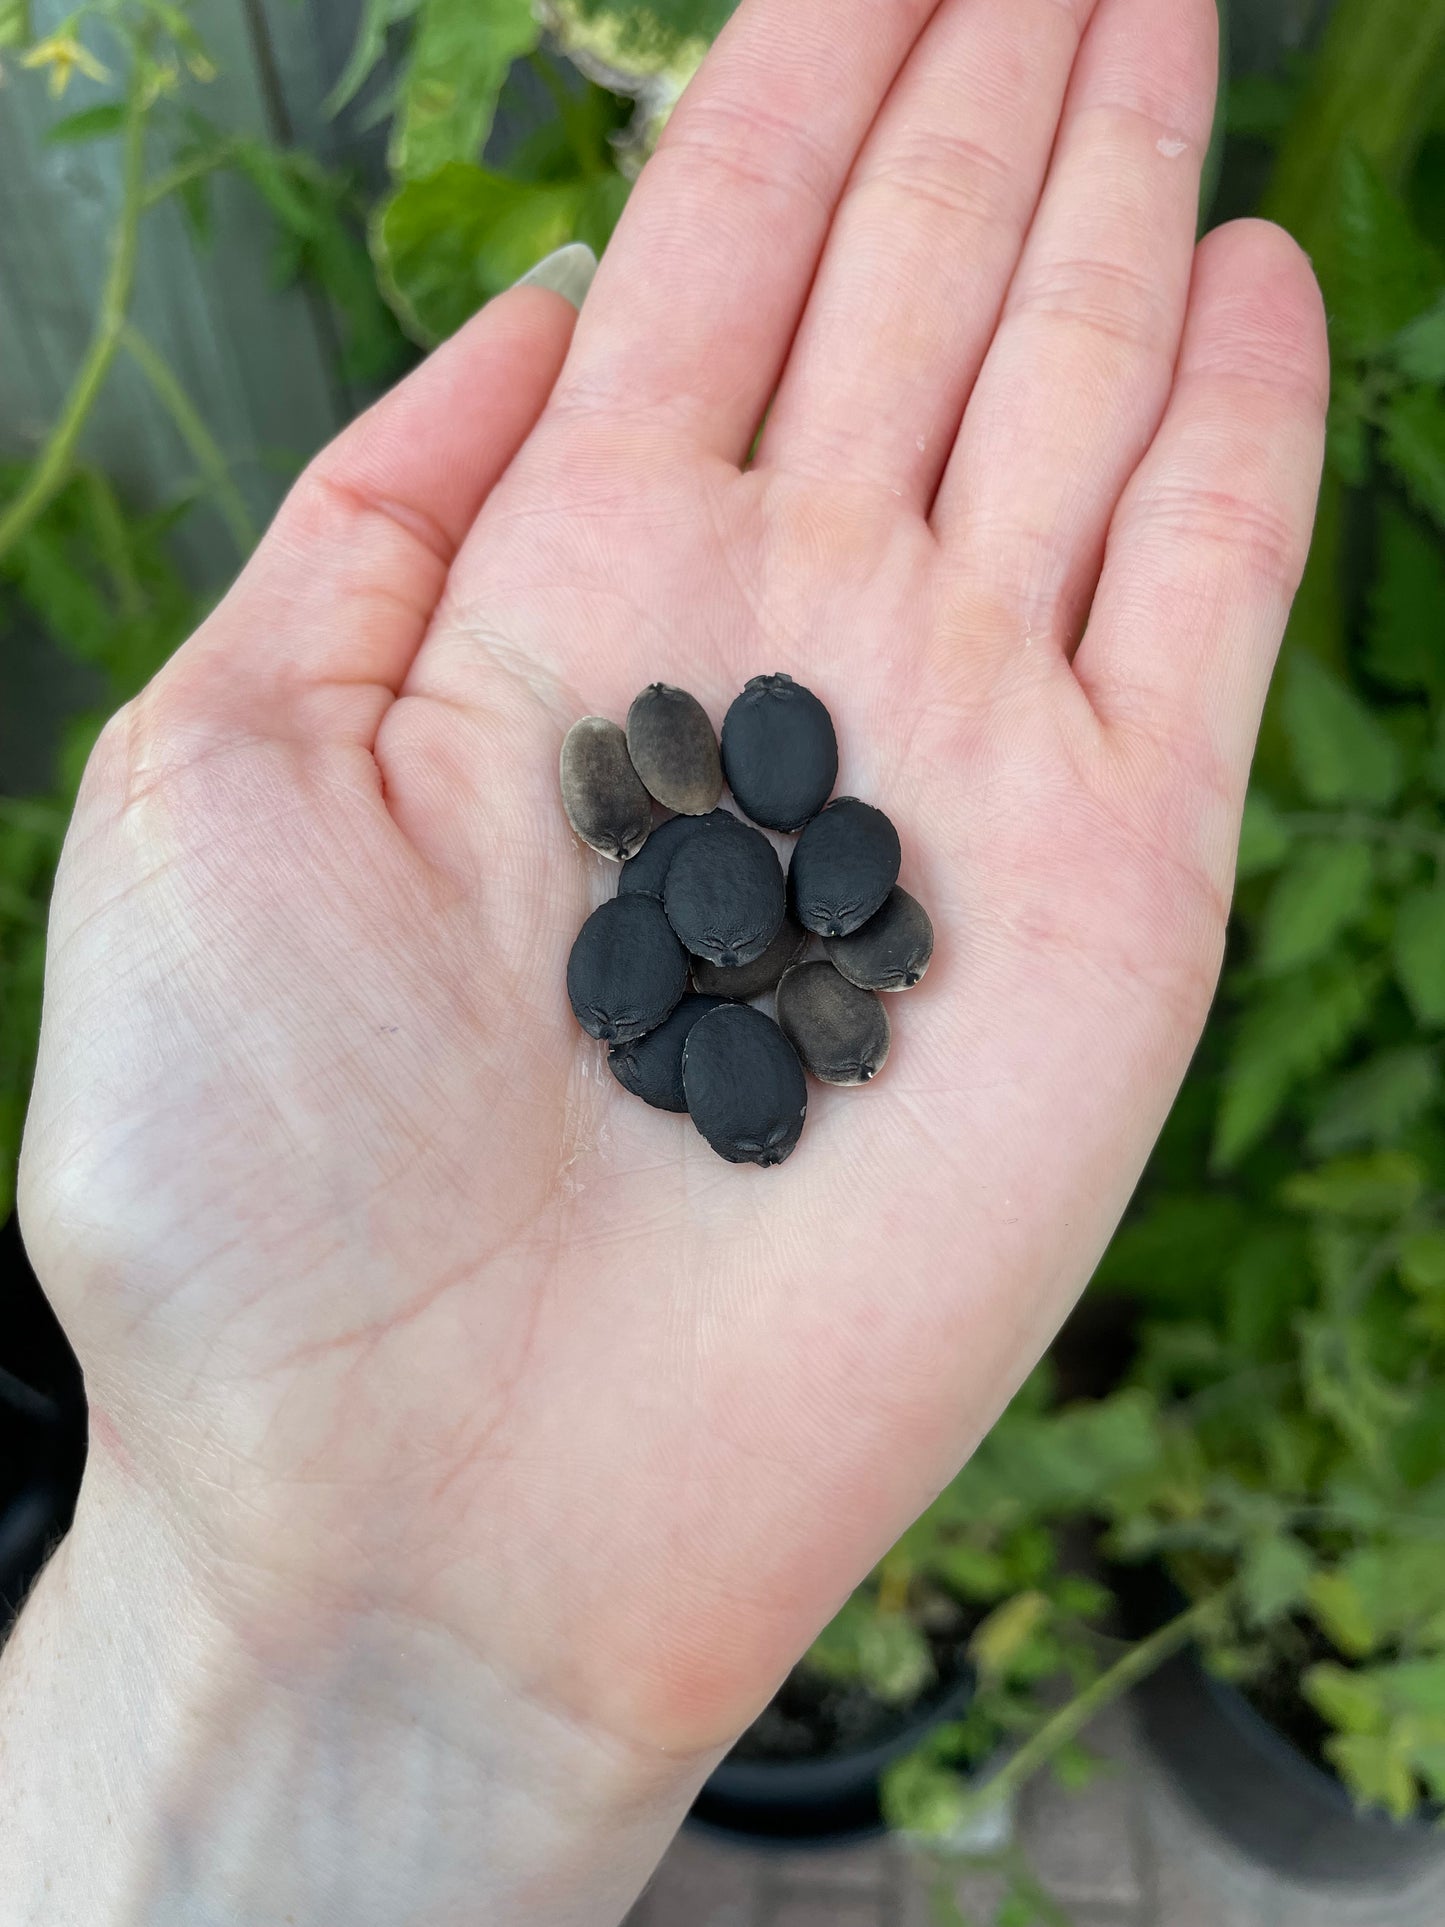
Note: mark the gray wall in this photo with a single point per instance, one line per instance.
(263, 369)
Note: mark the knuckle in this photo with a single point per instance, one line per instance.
(1262, 543)
(1121, 304)
(940, 171)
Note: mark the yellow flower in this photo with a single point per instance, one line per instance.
(202, 66)
(63, 54)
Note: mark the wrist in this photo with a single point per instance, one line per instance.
(167, 1762)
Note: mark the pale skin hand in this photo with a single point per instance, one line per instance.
(429, 1369)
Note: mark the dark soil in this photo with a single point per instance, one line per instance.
(1277, 1698)
(813, 1718)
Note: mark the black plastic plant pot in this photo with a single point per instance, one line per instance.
(42, 1427)
(1251, 1782)
(820, 1802)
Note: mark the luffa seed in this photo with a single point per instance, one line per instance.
(674, 750)
(627, 970)
(647, 871)
(745, 981)
(844, 864)
(891, 951)
(840, 1032)
(745, 1087)
(651, 1066)
(725, 895)
(779, 752)
(602, 793)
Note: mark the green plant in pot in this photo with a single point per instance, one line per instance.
(950, 1644)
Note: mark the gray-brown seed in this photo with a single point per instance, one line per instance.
(602, 793)
(891, 951)
(627, 971)
(674, 749)
(746, 981)
(840, 1032)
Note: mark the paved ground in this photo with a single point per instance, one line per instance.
(1125, 1853)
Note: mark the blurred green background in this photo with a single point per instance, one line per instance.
(223, 226)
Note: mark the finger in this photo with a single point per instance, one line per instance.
(321, 627)
(926, 239)
(699, 293)
(1078, 376)
(1209, 541)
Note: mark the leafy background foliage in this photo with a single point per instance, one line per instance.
(1277, 1439)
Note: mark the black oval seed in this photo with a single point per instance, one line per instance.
(840, 1032)
(745, 981)
(891, 951)
(627, 970)
(744, 1084)
(651, 1066)
(674, 750)
(779, 752)
(725, 895)
(844, 864)
(602, 793)
(648, 869)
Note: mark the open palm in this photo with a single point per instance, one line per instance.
(377, 1275)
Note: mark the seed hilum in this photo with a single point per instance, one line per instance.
(705, 893)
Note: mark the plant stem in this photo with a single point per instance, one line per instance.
(197, 437)
(1136, 1664)
(52, 466)
(109, 526)
(1351, 824)
(164, 185)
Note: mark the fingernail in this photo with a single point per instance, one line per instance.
(567, 271)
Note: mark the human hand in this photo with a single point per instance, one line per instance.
(410, 1333)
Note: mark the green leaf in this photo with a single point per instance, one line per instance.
(1413, 1686)
(1265, 1285)
(922, 1796)
(1419, 952)
(15, 28)
(1264, 839)
(1171, 1254)
(1325, 889)
(1343, 1616)
(461, 51)
(886, 1651)
(1293, 1030)
(91, 124)
(446, 244)
(1378, 1102)
(1342, 753)
(1378, 273)
(1376, 1771)
(1422, 1261)
(1414, 446)
(1420, 349)
(1381, 1185)
(974, 1572)
(1261, 106)
(1274, 1577)
(1001, 1640)
(1402, 641)
(1347, 432)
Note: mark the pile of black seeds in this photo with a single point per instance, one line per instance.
(704, 921)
